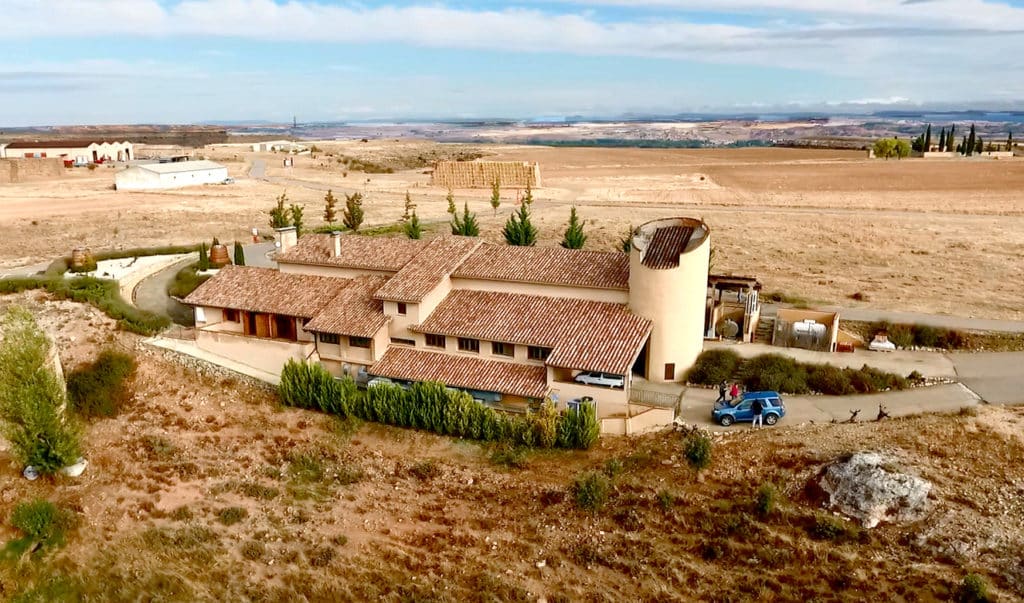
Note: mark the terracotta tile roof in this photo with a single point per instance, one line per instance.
(426, 271)
(371, 253)
(547, 265)
(666, 246)
(354, 311)
(266, 290)
(584, 335)
(462, 371)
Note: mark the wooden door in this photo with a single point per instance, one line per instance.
(670, 371)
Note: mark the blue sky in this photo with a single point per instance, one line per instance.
(177, 61)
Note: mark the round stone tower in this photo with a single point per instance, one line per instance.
(668, 281)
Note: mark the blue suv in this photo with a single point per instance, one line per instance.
(725, 413)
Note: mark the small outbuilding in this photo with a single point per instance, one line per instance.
(78, 151)
(170, 175)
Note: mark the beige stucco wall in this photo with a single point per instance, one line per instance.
(268, 355)
(674, 300)
(592, 294)
(102, 150)
(610, 402)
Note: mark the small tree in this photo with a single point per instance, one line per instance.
(451, 202)
(979, 146)
(884, 147)
(972, 142)
(574, 237)
(466, 225)
(296, 213)
(352, 216)
(518, 229)
(239, 254)
(496, 195)
(697, 450)
(1009, 142)
(279, 214)
(204, 258)
(528, 196)
(901, 149)
(410, 208)
(412, 227)
(942, 140)
(330, 207)
(32, 399)
(927, 139)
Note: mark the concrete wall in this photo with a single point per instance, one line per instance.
(269, 355)
(139, 179)
(610, 402)
(650, 419)
(482, 174)
(21, 170)
(674, 300)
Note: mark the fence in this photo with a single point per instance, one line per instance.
(653, 398)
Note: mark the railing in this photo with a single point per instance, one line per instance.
(180, 332)
(653, 398)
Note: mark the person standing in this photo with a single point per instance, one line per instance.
(722, 388)
(757, 409)
(734, 391)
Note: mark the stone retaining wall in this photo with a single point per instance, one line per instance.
(20, 170)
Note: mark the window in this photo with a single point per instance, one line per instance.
(230, 315)
(435, 341)
(469, 345)
(503, 349)
(359, 342)
(538, 353)
(329, 338)
(401, 341)
(401, 308)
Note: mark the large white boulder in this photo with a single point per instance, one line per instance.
(864, 487)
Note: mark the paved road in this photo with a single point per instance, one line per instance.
(997, 377)
(258, 169)
(29, 270)
(256, 255)
(697, 405)
(151, 295)
(964, 323)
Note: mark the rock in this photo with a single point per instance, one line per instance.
(77, 469)
(863, 488)
(541, 563)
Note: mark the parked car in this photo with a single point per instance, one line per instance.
(379, 381)
(228, 181)
(727, 413)
(603, 379)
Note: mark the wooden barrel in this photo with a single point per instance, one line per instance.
(219, 256)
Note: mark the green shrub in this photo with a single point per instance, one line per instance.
(612, 468)
(186, 281)
(926, 336)
(829, 380)
(253, 550)
(591, 491)
(901, 335)
(425, 470)
(229, 516)
(513, 457)
(309, 385)
(827, 527)
(867, 380)
(578, 428)
(43, 525)
(714, 366)
(953, 340)
(973, 589)
(764, 504)
(697, 449)
(666, 499)
(101, 388)
(774, 372)
(31, 398)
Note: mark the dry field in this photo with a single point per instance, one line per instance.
(203, 489)
(933, 236)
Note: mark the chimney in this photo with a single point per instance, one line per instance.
(336, 242)
(285, 238)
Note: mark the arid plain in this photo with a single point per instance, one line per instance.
(942, 236)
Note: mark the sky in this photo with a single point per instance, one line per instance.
(189, 61)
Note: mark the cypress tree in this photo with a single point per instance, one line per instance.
(330, 207)
(574, 237)
(979, 147)
(518, 229)
(951, 138)
(528, 197)
(971, 141)
(927, 139)
(412, 227)
(942, 140)
(204, 259)
(496, 195)
(451, 202)
(296, 213)
(962, 149)
(465, 226)
(410, 208)
(352, 216)
(1009, 141)
(239, 254)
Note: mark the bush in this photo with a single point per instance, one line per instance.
(186, 281)
(764, 504)
(829, 380)
(31, 398)
(774, 372)
(591, 491)
(926, 336)
(43, 524)
(973, 589)
(867, 380)
(425, 470)
(510, 457)
(101, 388)
(308, 385)
(697, 450)
(714, 366)
(826, 527)
(578, 428)
(229, 516)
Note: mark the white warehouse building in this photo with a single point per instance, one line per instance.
(170, 175)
